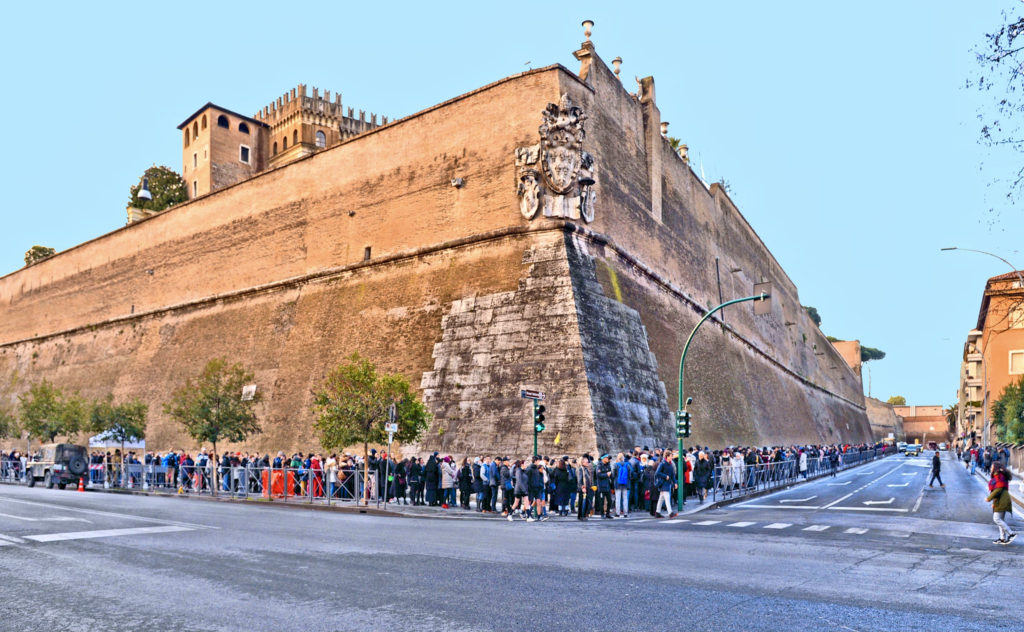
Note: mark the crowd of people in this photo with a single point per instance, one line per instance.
(608, 486)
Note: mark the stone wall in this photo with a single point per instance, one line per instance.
(884, 420)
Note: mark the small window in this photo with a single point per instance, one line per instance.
(243, 154)
(195, 160)
(275, 149)
(195, 188)
(1016, 362)
(295, 137)
(186, 137)
(321, 139)
(204, 121)
(366, 254)
(1017, 317)
(284, 143)
(242, 127)
(195, 129)
(222, 121)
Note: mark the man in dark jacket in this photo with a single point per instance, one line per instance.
(936, 466)
(585, 480)
(431, 474)
(603, 474)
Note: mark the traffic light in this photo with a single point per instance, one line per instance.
(538, 417)
(682, 424)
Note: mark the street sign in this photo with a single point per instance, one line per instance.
(392, 413)
(391, 428)
(248, 392)
(528, 394)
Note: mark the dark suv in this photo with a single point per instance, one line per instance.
(58, 464)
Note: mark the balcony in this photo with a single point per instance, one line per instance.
(972, 381)
(974, 357)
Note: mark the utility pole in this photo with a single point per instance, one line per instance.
(762, 292)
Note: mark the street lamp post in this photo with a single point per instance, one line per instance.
(1020, 277)
(763, 292)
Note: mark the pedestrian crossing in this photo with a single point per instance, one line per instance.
(747, 524)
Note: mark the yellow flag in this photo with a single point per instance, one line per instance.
(558, 438)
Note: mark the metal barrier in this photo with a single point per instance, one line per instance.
(734, 482)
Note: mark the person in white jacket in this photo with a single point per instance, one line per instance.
(803, 464)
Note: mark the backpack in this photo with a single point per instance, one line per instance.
(623, 474)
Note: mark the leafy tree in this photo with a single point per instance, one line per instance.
(35, 254)
(813, 313)
(8, 423)
(46, 412)
(1008, 412)
(166, 187)
(897, 400)
(1001, 61)
(951, 414)
(211, 407)
(121, 422)
(352, 407)
(867, 354)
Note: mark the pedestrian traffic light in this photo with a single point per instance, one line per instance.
(682, 424)
(538, 417)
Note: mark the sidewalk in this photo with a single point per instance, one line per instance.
(1016, 487)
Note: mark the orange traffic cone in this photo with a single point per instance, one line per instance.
(81, 484)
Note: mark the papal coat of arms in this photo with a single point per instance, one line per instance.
(557, 174)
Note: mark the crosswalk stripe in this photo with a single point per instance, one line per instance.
(676, 521)
(11, 539)
(103, 533)
(707, 523)
(740, 524)
(856, 531)
(816, 527)
(644, 520)
(778, 525)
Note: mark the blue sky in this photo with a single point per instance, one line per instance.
(844, 131)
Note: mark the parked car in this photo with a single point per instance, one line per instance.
(901, 446)
(57, 464)
(943, 447)
(913, 449)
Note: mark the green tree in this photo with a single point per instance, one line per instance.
(166, 187)
(813, 313)
(35, 254)
(1008, 412)
(352, 405)
(8, 423)
(867, 354)
(951, 415)
(897, 400)
(45, 412)
(212, 408)
(120, 422)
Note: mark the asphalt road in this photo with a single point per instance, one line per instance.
(90, 561)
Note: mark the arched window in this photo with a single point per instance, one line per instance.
(275, 149)
(222, 121)
(284, 143)
(321, 139)
(186, 137)
(295, 137)
(242, 127)
(195, 129)
(204, 121)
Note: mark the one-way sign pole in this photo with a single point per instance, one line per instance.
(538, 412)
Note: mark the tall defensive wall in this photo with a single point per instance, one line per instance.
(478, 246)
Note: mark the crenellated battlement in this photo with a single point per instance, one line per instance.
(297, 102)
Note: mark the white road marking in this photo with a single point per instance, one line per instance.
(782, 506)
(96, 512)
(707, 523)
(879, 502)
(798, 500)
(867, 509)
(740, 524)
(897, 484)
(837, 484)
(836, 502)
(778, 525)
(920, 496)
(856, 530)
(816, 527)
(910, 473)
(103, 533)
(676, 521)
(10, 539)
(56, 519)
(644, 520)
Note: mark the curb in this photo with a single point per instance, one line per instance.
(371, 511)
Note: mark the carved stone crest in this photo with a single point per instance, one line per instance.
(557, 174)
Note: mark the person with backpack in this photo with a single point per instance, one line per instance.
(1002, 502)
(495, 479)
(507, 486)
(621, 474)
(520, 490)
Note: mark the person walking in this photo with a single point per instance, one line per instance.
(936, 466)
(1002, 503)
(665, 476)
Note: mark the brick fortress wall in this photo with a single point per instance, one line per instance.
(461, 294)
